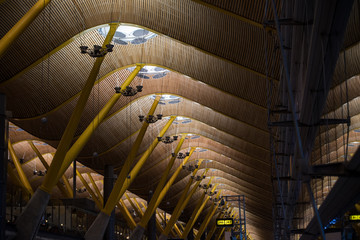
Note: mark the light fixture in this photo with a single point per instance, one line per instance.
(129, 91)
(97, 51)
(81, 190)
(183, 155)
(205, 186)
(190, 167)
(198, 178)
(150, 118)
(39, 173)
(167, 139)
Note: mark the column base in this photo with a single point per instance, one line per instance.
(163, 237)
(98, 227)
(137, 233)
(28, 223)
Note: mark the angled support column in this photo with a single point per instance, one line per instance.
(85, 136)
(125, 212)
(19, 169)
(62, 189)
(183, 201)
(196, 213)
(100, 197)
(177, 230)
(206, 221)
(96, 230)
(21, 25)
(220, 234)
(36, 206)
(213, 227)
(159, 194)
(89, 190)
(198, 208)
(136, 209)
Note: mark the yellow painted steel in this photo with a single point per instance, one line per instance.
(100, 197)
(21, 25)
(138, 212)
(220, 234)
(183, 201)
(15, 179)
(125, 212)
(85, 136)
(213, 227)
(122, 185)
(177, 230)
(206, 221)
(52, 176)
(62, 189)
(20, 171)
(199, 207)
(90, 191)
(139, 207)
(158, 224)
(130, 158)
(159, 191)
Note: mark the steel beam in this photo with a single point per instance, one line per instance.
(97, 229)
(23, 179)
(196, 213)
(85, 136)
(62, 189)
(89, 190)
(122, 185)
(183, 201)
(125, 212)
(159, 191)
(100, 197)
(206, 221)
(21, 25)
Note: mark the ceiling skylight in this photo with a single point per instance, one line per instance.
(128, 34)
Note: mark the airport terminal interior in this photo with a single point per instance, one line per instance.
(180, 119)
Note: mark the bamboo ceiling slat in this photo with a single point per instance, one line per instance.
(158, 15)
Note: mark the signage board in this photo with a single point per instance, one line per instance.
(354, 217)
(224, 222)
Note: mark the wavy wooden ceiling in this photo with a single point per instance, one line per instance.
(218, 70)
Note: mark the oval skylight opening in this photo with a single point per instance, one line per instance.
(128, 34)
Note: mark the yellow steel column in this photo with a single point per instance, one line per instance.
(15, 179)
(51, 177)
(139, 207)
(125, 212)
(46, 165)
(85, 136)
(21, 25)
(206, 221)
(121, 185)
(159, 188)
(158, 225)
(100, 197)
(213, 227)
(220, 234)
(199, 207)
(183, 201)
(177, 230)
(91, 192)
(133, 205)
(19, 169)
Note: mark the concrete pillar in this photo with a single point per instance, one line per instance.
(3, 164)
(151, 227)
(108, 186)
